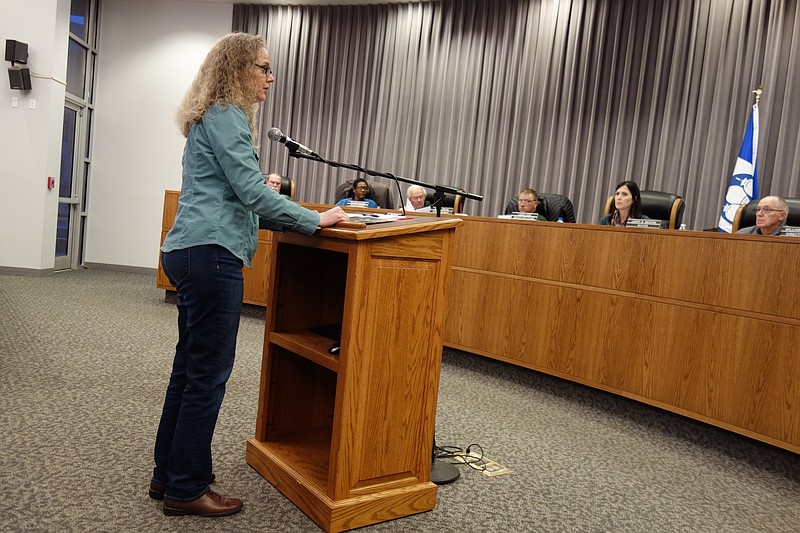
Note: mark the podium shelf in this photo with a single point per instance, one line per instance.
(306, 454)
(307, 344)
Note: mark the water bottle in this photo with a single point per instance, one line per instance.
(561, 219)
(682, 228)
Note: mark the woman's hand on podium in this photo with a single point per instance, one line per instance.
(332, 216)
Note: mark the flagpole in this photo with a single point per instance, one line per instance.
(743, 186)
(757, 91)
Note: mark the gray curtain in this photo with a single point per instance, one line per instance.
(565, 96)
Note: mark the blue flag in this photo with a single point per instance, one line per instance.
(744, 182)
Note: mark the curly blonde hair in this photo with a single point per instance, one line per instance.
(224, 78)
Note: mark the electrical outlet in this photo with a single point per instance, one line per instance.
(32, 104)
(14, 101)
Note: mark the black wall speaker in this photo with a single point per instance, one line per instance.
(16, 51)
(20, 78)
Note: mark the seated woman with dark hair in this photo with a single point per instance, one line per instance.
(358, 194)
(627, 204)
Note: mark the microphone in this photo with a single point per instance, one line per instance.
(275, 134)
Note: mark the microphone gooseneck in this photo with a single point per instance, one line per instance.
(304, 152)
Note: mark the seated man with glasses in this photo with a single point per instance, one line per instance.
(359, 194)
(771, 216)
(527, 202)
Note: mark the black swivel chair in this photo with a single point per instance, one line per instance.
(551, 206)
(452, 201)
(287, 187)
(746, 214)
(659, 205)
(380, 192)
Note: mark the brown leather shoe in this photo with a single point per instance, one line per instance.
(157, 489)
(209, 505)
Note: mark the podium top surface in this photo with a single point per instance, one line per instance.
(390, 229)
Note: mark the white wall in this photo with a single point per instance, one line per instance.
(30, 149)
(149, 53)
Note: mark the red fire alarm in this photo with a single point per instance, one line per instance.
(51, 182)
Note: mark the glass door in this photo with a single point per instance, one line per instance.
(68, 200)
(76, 151)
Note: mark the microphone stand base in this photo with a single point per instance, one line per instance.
(443, 473)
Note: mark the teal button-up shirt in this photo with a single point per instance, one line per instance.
(223, 192)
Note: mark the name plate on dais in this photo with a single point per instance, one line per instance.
(790, 231)
(523, 216)
(643, 223)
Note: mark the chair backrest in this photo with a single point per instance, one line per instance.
(551, 206)
(453, 201)
(658, 205)
(287, 187)
(380, 192)
(746, 214)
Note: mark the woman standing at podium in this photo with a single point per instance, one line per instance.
(216, 232)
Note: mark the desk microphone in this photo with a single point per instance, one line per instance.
(275, 134)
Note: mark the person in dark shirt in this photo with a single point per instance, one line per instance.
(627, 204)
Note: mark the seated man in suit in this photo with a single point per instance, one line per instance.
(416, 197)
(771, 216)
(274, 182)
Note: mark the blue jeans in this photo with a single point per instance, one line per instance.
(210, 290)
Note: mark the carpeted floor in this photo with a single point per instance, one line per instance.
(84, 361)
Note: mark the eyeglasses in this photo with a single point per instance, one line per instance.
(362, 188)
(767, 210)
(266, 69)
(524, 201)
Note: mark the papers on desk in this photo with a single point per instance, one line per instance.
(375, 218)
(523, 216)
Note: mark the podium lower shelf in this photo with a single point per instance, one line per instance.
(282, 465)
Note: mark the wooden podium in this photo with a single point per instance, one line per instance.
(348, 437)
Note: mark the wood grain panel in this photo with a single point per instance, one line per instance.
(703, 324)
(257, 278)
(701, 267)
(396, 327)
(170, 209)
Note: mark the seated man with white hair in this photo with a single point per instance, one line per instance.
(771, 214)
(416, 198)
(274, 182)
